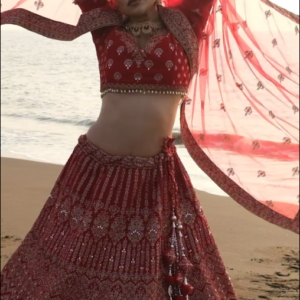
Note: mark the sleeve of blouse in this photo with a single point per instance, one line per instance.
(197, 12)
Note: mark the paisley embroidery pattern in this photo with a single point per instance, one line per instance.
(131, 44)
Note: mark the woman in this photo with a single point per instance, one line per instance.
(123, 221)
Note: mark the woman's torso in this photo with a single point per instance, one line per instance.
(136, 123)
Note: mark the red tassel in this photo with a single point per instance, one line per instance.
(179, 298)
(187, 289)
(171, 280)
(179, 279)
(185, 265)
(169, 256)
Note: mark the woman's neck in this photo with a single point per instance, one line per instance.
(150, 16)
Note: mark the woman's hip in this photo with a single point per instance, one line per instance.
(128, 140)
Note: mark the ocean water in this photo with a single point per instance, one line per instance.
(50, 94)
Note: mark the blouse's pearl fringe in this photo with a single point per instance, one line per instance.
(139, 91)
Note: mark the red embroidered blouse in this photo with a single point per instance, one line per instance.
(162, 66)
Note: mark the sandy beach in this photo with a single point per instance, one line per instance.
(262, 259)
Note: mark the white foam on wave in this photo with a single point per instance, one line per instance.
(16, 155)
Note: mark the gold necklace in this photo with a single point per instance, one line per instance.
(144, 27)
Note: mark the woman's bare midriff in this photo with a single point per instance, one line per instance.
(134, 124)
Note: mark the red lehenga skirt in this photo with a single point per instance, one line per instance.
(119, 228)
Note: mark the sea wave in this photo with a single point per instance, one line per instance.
(86, 122)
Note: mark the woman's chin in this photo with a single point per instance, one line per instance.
(136, 11)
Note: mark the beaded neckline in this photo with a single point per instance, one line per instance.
(153, 38)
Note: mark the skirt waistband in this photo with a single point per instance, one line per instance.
(129, 161)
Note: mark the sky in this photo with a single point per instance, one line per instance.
(291, 5)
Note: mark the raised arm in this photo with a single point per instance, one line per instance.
(196, 11)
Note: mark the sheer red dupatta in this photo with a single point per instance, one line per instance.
(60, 19)
(242, 125)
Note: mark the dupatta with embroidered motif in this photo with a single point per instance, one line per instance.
(241, 125)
